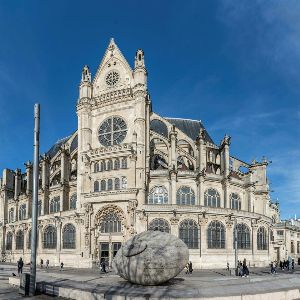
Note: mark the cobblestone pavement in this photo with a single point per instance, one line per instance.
(202, 283)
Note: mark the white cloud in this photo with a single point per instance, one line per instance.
(266, 32)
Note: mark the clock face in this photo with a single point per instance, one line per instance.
(112, 78)
(112, 131)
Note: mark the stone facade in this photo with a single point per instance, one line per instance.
(285, 238)
(127, 169)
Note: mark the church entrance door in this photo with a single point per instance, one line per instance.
(108, 251)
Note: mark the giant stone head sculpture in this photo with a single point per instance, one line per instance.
(151, 258)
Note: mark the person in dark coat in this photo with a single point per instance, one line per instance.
(20, 266)
(190, 267)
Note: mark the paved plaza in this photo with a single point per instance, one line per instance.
(202, 284)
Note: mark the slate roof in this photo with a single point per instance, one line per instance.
(190, 127)
(55, 148)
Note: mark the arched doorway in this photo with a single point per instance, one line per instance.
(110, 223)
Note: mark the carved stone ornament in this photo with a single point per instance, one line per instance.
(107, 209)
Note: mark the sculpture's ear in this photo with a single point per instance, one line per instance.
(134, 248)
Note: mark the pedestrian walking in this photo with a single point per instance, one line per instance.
(273, 267)
(190, 267)
(102, 265)
(20, 266)
(47, 263)
(227, 267)
(42, 263)
(61, 266)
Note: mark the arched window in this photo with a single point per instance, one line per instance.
(96, 186)
(235, 201)
(96, 167)
(111, 223)
(20, 240)
(9, 238)
(185, 196)
(22, 212)
(262, 242)
(243, 236)
(69, 236)
(124, 163)
(158, 195)
(109, 165)
(212, 198)
(117, 164)
(11, 215)
(50, 237)
(39, 207)
(117, 183)
(55, 205)
(189, 233)
(109, 184)
(159, 225)
(73, 201)
(103, 185)
(124, 183)
(216, 235)
(102, 166)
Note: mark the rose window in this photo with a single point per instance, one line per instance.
(112, 131)
(112, 78)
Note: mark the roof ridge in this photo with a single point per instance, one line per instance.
(183, 119)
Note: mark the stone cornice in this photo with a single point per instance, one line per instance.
(107, 193)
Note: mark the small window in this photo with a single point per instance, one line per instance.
(20, 240)
(102, 166)
(73, 201)
(109, 184)
(109, 165)
(117, 164)
(117, 183)
(69, 236)
(124, 183)
(96, 186)
(103, 185)
(235, 201)
(124, 163)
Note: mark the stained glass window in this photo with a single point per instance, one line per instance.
(111, 223)
(185, 196)
(189, 233)
(262, 242)
(211, 198)
(158, 195)
(216, 235)
(69, 236)
(50, 237)
(159, 225)
(112, 131)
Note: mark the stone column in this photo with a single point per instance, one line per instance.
(29, 174)
(202, 221)
(59, 238)
(172, 152)
(173, 179)
(45, 171)
(254, 240)
(229, 236)
(201, 191)
(17, 183)
(174, 221)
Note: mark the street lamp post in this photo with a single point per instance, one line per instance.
(36, 146)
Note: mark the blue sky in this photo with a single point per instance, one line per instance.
(235, 65)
